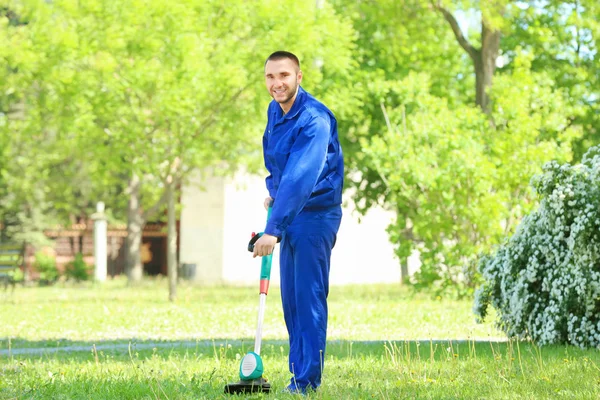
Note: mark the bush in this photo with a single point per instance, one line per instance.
(17, 275)
(77, 269)
(545, 280)
(45, 264)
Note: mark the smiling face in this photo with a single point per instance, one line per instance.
(283, 77)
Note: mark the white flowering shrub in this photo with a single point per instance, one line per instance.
(544, 281)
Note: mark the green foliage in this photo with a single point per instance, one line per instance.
(45, 264)
(563, 38)
(102, 90)
(42, 181)
(543, 281)
(543, 95)
(455, 181)
(94, 92)
(17, 275)
(393, 40)
(77, 269)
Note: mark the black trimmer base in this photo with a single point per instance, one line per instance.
(256, 385)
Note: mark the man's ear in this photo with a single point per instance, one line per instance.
(299, 77)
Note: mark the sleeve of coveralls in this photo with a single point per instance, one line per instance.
(306, 161)
(269, 179)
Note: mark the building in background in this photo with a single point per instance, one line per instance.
(219, 214)
(67, 241)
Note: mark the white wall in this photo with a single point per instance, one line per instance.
(363, 253)
(244, 214)
(201, 228)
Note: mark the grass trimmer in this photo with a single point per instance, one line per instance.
(251, 367)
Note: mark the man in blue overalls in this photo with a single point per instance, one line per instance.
(303, 157)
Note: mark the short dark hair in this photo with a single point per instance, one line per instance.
(280, 55)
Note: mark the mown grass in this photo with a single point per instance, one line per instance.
(117, 312)
(385, 344)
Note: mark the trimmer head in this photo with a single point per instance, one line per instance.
(251, 367)
(253, 386)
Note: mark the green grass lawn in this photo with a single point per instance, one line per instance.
(131, 343)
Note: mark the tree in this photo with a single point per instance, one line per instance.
(30, 143)
(199, 101)
(158, 90)
(483, 57)
(392, 39)
(449, 220)
(454, 181)
(564, 38)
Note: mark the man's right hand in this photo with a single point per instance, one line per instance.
(264, 245)
(268, 201)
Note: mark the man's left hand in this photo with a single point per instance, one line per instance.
(264, 246)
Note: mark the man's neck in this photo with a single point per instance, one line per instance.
(290, 102)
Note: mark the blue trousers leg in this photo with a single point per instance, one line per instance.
(305, 254)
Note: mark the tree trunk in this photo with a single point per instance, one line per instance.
(408, 236)
(136, 220)
(404, 270)
(135, 225)
(485, 65)
(484, 59)
(171, 242)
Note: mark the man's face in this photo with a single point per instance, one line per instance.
(282, 78)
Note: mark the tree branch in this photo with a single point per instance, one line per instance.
(170, 179)
(462, 40)
(210, 119)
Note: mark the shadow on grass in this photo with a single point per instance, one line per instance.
(17, 346)
(341, 349)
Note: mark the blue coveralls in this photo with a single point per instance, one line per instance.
(303, 156)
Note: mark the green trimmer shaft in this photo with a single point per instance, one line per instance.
(251, 367)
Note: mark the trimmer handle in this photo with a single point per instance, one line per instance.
(254, 239)
(257, 236)
(265, 269)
